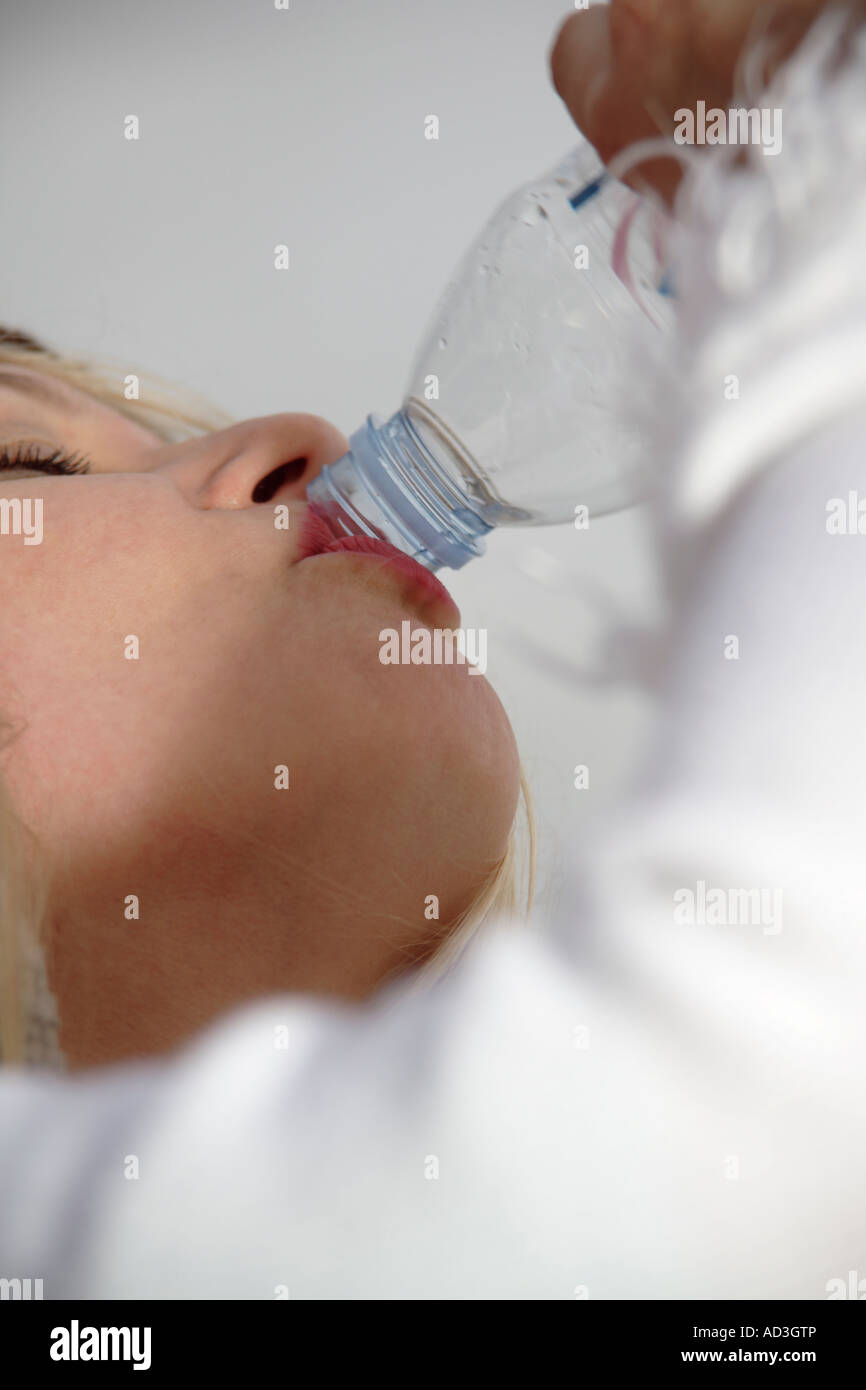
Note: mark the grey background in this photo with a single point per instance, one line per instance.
(306, 126)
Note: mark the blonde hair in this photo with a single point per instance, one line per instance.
(172, 415)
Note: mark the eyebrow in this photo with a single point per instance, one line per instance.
(40, 388)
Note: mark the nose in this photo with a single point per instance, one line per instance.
(256, 461)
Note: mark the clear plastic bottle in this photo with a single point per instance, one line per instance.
(513, 414)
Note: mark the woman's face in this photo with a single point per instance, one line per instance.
(164, 652)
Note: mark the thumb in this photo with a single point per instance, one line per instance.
(604, 66)
(580, 65)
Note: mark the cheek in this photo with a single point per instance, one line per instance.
(88, 750)
(110, 717)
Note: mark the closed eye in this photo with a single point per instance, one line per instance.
(27, 458)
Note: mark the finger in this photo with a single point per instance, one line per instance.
(580, 65)
(602, 65)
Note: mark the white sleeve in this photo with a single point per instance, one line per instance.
(629, 1105)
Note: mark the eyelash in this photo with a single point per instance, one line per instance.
(28, 457)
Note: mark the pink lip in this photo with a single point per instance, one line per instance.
(318, 539)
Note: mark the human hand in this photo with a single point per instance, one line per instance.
(625, 68)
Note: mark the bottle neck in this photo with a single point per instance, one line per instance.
(399, 482)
